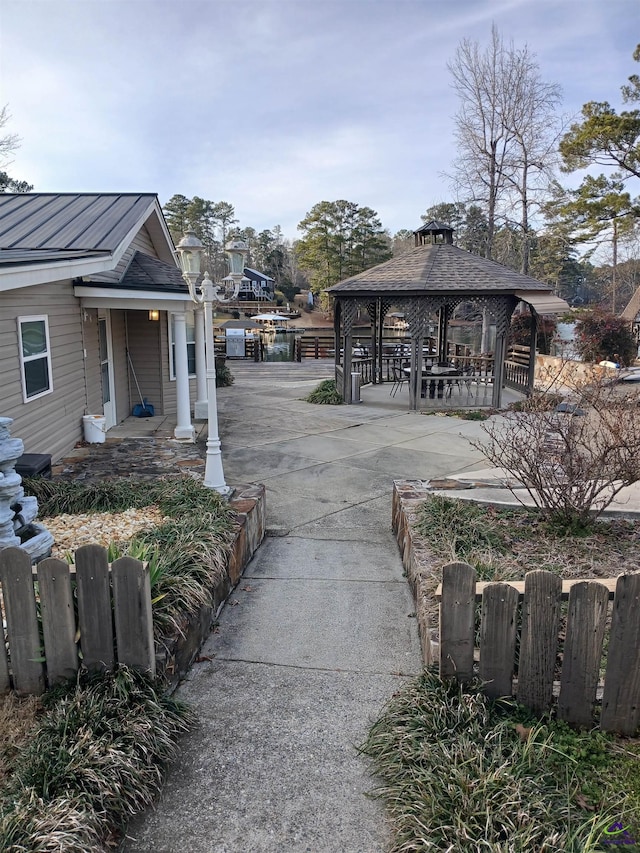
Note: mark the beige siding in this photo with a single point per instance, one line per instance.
(92, 361)
(143, 336)
(52, 423)
(120, 370)
(140, 243)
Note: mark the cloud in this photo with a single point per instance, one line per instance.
(274, 105)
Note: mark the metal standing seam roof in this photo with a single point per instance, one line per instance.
(19, 257)
(74, 222)
(435, 269)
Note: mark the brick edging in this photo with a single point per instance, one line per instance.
(175, 659)
(407, 495)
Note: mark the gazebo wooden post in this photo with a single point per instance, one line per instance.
(443, 328)
(506, 306)
(372, 311)
(415, 376)
(533, 342)
(382, 310)
(347, 347)
(498, 370)
(337, 338)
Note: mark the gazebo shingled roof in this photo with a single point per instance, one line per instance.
(438, 268)
(434, 277)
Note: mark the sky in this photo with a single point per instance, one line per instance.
(276, 105)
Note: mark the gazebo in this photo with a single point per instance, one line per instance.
(432, 280)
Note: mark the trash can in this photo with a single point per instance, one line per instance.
(355, 388)
(34, 465)
(95, 429)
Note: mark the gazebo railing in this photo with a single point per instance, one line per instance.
(363, 366)
(516, 369)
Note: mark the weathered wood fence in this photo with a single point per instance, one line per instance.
(519, 642)
(58, 616)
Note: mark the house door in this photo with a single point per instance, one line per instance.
(106, 370)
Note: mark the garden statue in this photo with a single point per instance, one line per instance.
(17, 511)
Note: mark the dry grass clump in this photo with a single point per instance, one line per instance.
(18, 717)
(504, 544)
(96, 757)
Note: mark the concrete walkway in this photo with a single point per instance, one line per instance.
(318, 634)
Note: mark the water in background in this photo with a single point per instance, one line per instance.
(564, 341)
(279, 347)
(472, 336)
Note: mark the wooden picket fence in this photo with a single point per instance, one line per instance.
(519, 642)
(59, 616)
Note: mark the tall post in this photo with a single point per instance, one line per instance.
(213, 474)
(200, 405)
(184, 428)
(190, 250)
(484, 340)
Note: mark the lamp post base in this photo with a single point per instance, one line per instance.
(200, 410)
(213, 473)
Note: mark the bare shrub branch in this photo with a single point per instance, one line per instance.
(572, 457)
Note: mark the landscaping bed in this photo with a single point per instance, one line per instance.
(461, 772)
(82, 759)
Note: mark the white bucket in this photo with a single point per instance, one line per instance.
(94, 428)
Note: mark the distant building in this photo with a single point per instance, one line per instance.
(258, 285)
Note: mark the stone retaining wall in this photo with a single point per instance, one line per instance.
(407, 495)
(175, 659)
(560, 374)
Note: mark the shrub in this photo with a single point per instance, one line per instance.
(326, 394)
(186, 554)
(224, 377)
(574, 458)
(459, 772)
(605, 337)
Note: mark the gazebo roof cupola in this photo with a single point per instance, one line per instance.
(433, 232)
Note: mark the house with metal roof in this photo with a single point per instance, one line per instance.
(427, 284)
(92, 307)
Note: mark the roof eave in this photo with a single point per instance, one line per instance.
(15, 276)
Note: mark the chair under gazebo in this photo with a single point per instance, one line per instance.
(427, 284)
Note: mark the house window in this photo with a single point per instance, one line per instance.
(191, 347)
(35, 357)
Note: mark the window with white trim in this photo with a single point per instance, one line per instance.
(35, 357)
(191, 347)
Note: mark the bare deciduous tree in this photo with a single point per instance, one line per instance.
(9, 143)
(507, 132)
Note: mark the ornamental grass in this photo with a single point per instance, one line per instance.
(461, 773)
(96, 756)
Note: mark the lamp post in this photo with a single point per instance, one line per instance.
(190, 250)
